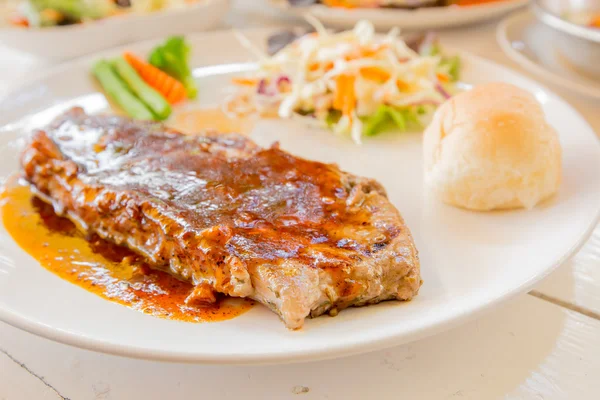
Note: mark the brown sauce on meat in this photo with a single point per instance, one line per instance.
(109, 271)
(268, 205)
(220, 201)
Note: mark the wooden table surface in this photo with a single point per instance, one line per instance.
(541, 345)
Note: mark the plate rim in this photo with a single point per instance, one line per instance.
(423, 10)
(384, 340)
(526, 17)
(347, 17)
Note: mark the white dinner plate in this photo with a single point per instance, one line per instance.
(470, 261)
(532, 45)
(422, 18)
(63, 42)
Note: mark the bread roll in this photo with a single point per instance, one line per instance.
(491, 148)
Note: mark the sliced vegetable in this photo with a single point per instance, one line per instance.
(345, 95)
(373, 124)
(387, 117)
(430, 49)
(441, 90)
(375, 74)
(333, 117)
(399, 117)
(452, 66)
(317, 66)
(402, 86)
(170, 88)
(155, 102)
(442, 77)
(172, 58)
(118, 91)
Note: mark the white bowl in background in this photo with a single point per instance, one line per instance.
(64, 42)
(577, 43)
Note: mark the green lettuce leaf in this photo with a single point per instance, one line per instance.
(172, 58)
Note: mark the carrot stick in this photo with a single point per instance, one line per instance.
(345, 96)
(172, 90)
(374, 74)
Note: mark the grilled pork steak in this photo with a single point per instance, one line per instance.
(301, 237)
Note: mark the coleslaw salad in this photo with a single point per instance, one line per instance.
(355, 82)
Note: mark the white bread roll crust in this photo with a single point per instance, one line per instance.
(491, 148)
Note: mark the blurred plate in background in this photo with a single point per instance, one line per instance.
(63, 42)
(387, 18)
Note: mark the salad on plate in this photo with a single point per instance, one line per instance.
(47, 13)
(354, 82)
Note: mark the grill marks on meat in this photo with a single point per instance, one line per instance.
(302, 237)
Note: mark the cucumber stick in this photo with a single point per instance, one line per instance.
(154, 100)
(119, 92)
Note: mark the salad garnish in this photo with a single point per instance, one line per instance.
(147, 90)
(355, 82)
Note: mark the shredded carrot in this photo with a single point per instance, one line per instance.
(245, 81)
(365, 52)
(315, 66)
(345, 95)
(402, 86)
(595, 22)
(443, 77)
(370, 52)
(374, 74)
(172, 90)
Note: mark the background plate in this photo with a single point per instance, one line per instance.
(422, 18)
(470, 261)
(63, 42)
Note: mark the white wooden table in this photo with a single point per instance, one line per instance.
(542, 345)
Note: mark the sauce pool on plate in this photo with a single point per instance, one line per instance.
(109, 271)
(203, 119)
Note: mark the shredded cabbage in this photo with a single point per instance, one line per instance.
(356, 82)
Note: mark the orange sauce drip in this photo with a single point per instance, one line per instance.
(194, 121)
(109, 271)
